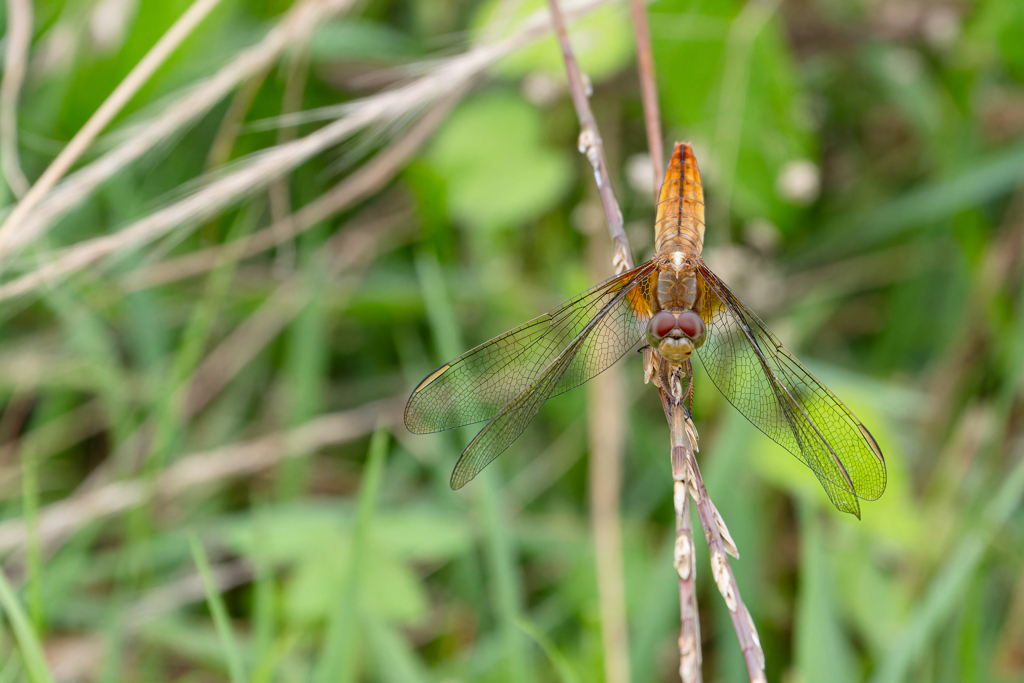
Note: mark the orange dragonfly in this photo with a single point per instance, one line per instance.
(681, 307)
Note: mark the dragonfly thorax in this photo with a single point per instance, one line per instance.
(677, 289)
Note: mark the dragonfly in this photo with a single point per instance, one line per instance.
(680, 308)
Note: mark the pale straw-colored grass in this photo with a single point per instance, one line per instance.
(255, 172)
(18, 42)
(27, 226)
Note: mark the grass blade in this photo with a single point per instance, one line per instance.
(28, 643)
(338, 655)
(215, 601)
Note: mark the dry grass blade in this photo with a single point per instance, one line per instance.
(258, 170)
(648, 91)
(185, 591)
(199, 469)
(19, 41)
(190, 105)
(122, 94)
(371, 178)
(590, 144)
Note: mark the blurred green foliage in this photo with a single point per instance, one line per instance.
(863, 164)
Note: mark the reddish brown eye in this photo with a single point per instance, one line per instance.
(691, 325)
(661, 324)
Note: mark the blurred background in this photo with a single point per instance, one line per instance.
(211, 323)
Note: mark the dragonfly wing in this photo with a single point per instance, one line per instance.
(605, 337)
(478, 384)
(772, 389)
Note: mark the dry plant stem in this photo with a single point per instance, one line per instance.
(720, 544)
(299, 21)
(260, 169)
(590, 144)
(606, 436)
(690, 657)
(648, 90)
(19, 41)
(207, 468)
(102, 117)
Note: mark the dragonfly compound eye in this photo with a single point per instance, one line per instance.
(692, 326)
(659, 326)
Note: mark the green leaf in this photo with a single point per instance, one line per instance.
(602, 41)
(497, 169)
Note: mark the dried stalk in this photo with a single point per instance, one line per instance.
(606, 432)
(258, 170)
(690, 657)
(19, 41)
(648, 91)
(687, 477)
(605, 424)
(590, 144)
(102, 117)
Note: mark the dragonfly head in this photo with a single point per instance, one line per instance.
(675, 335)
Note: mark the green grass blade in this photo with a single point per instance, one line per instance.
(215, 601)
(338, 655)
(566, 674)
(396, 661)
(498, 544)
(930, 203)
(950, 583)
(28, 642)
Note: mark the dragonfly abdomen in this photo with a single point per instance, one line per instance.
(679, 227)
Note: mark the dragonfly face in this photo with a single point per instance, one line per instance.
(683, 309)
(675, 335)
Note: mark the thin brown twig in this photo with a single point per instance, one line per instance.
(605, 426)
(648, 91)
(690, 658)
(590, 144)
(720, 544)
(19, 42)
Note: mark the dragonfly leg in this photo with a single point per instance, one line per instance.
(689, 383)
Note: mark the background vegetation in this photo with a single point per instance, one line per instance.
(203, 470)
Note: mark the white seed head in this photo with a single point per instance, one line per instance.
(799, 181)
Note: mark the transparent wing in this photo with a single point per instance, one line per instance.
(609, 333)
(482, 381)
(765, 382)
